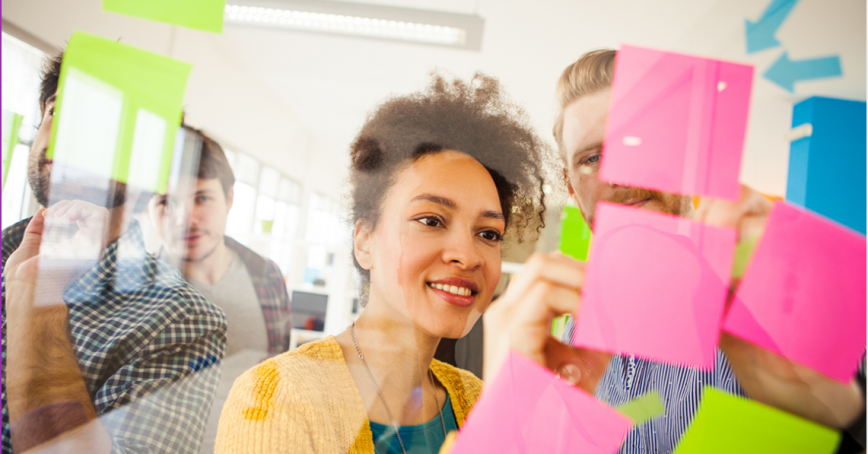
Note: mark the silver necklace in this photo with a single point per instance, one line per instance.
(382, 399)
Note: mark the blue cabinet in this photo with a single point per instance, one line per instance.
(827, 169)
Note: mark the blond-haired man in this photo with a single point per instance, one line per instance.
(583, 93)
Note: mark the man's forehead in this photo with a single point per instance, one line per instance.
(190, 186)
(585, 122)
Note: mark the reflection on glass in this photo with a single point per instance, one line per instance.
(238, 225)
(101, 335)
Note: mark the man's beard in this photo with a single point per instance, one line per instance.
(79, 188)
(672, 203)
(184, 253)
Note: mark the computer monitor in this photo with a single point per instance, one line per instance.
(308, 310)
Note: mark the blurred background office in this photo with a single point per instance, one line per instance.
(285, 89)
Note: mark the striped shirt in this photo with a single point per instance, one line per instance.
(680, 388)
(145, 343)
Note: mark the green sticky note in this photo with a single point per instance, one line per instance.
(743, 252)
(204, 15)
(575, 234)
(727, 424)
(11, 126)
(643, 408)
(558, 325)
(117, 111)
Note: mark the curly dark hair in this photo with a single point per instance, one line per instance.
(474, 118)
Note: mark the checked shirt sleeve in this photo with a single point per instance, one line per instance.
(161, 402)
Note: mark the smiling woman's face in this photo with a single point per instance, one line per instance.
(434, 254)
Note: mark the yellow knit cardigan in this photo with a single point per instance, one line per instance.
(305, 401)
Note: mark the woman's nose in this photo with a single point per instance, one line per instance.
(462, 251)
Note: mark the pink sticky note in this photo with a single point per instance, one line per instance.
(803, 293)
(528, 409)
(676, 123)
(655, 286)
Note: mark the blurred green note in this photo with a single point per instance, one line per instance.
(117, 111)
(743, 252)
(729, 424)
(558, 325)
(11, 125)
(204, 15)
(575, 234)
(643, 408)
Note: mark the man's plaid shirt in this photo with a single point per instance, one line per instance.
(271, 290)
(145, 341)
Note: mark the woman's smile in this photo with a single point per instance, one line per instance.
(457, 291)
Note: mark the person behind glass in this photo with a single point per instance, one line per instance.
(583, 92)
(124, 338)
(438, 178)
(249, 288)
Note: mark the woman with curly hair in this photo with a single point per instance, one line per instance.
(438, 178)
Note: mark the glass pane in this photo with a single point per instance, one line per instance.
(247, 170)
(238, 224)
(232, 157)
(264, 214)
(268, 181)
(290, 191)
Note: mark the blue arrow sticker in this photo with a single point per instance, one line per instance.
(761, 34)
(786, 72)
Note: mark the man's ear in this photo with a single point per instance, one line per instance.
(570, 189)
(363, 239)
(230, 197)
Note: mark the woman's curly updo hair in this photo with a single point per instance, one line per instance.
(474, 118)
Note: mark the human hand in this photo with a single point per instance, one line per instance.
(748, 215)
(548, 286)
(73, 241)
(789, 386)
(22, 272)
(75, 229)
(26, 321)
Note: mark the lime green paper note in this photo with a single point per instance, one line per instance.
(204, 15)
(728, 424)
(558, 325)
(11, 125)
(575, 234)
(743, 252)
(643, 408)
(117, 111)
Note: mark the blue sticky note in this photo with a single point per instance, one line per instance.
(827, 169)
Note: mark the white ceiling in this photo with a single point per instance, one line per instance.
(296, 99)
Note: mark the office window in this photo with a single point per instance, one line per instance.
(21, 66)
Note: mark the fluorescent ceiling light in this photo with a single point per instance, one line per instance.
(362, 20)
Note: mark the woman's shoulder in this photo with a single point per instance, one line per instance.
(314, 361)
(462, 385)
(300, 374)
(454, 373)
(294, 396)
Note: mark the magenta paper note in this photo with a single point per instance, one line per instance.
(676, 123)
(527, 409)
(803, 293)
(655, 286)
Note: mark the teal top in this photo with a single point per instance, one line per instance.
(424, 438)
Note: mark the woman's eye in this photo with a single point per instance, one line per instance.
(593, 159)
(491, 235)
(429, 221)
